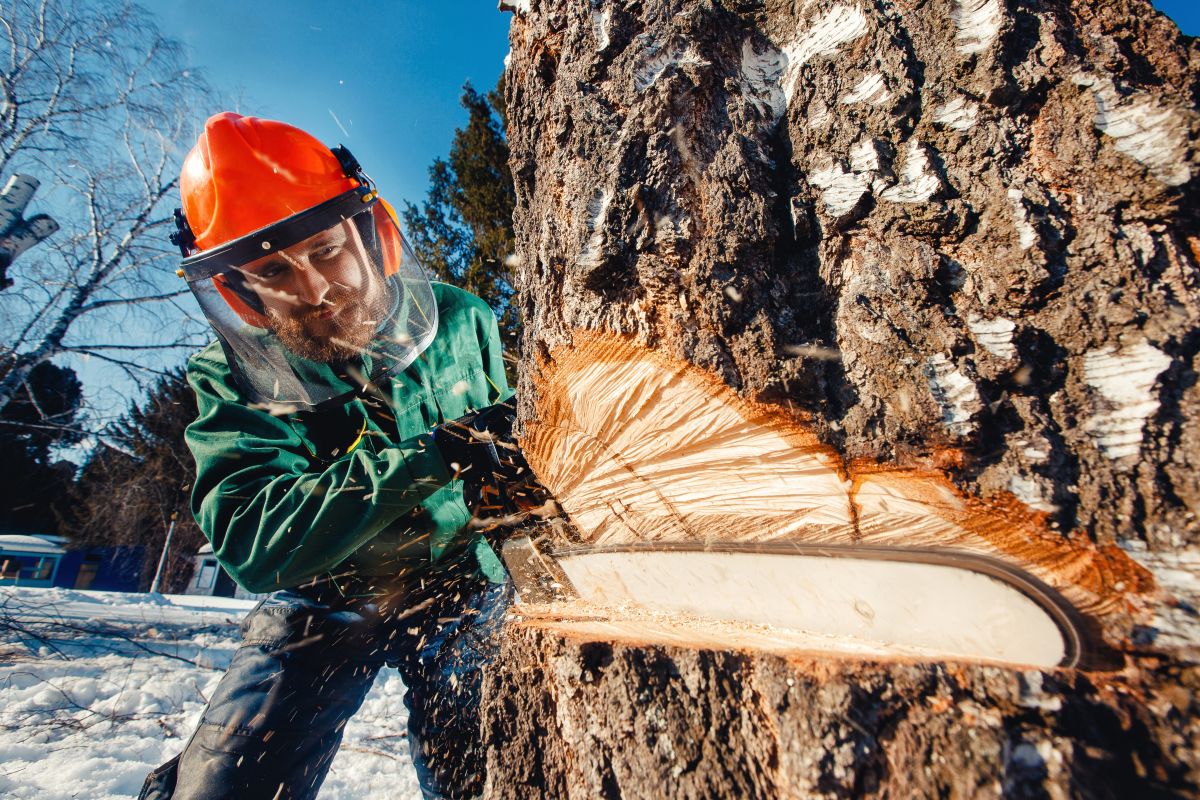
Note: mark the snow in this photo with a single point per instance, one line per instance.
(118, 683)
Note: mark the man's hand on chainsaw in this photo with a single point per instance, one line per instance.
(479, 449)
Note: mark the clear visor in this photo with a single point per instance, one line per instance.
(320, 318)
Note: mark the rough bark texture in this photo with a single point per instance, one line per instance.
(585, 719)
(962, 232)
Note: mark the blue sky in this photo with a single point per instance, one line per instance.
(390, 72)
(1186, 14)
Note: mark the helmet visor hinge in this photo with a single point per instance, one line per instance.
(183, 238)
(352, 168)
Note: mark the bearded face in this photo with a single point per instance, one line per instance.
(321, 296)
(336, 332)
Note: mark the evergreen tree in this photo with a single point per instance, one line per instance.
(139, 478)
(39, 420)
(463, 231)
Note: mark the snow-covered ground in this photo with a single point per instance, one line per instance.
(114, 684)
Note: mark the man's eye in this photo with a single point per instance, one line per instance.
(270, 272)
(326, 252)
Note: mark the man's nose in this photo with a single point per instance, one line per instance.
(311, 286)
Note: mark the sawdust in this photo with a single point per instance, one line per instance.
(640, 447)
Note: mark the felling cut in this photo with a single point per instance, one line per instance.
(689, 500)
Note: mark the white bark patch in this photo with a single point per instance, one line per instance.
(1037, 450)
(1026, 233)
(994, 335)
(1142, 128)
(1029, 492)
(959, 114)
(600, 22)
(839, 25)
(864, 156)
(871, 89)
(1125, 378)
(819, 116)
(596, 209)
(659, 59)
(1177, 572)
(917, 181)
(954, 393)
(842, 190)
(762, 74)
(978, 23)
(516, 6)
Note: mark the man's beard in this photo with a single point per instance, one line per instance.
(340, 338)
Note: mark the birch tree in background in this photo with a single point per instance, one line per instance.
(96, 103)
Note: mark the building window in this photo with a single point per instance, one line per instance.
(27, 568)
(208, 574)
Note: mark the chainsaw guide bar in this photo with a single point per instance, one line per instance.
(931, 603)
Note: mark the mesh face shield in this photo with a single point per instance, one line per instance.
(311, 309)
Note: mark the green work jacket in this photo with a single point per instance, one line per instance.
(358, 489)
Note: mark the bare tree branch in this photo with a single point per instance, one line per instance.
(98, 103)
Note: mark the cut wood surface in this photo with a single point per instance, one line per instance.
(639, 447)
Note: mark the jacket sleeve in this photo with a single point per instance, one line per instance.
(272, 521)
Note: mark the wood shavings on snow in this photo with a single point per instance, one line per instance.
(93, 726)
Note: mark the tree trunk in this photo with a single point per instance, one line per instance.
(946, 251)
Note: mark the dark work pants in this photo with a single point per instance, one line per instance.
(308, 658)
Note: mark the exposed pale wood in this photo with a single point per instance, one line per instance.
(639, 447)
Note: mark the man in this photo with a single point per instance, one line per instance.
(346, 410)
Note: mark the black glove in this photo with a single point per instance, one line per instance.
(480, 450)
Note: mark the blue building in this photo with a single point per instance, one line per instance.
(28, 560)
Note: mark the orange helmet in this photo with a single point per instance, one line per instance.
(246, 175)
(295, 261)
